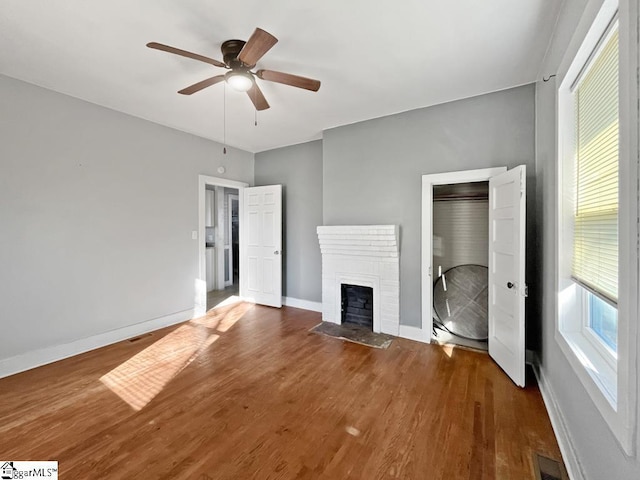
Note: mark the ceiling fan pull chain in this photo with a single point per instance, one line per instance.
(255, 110)
(224, 119)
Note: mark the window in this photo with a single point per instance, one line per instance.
(589, 250)
(588, 317)
(595, 197)
(603, 320)
(597, 232)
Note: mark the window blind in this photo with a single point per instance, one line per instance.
(595, 240)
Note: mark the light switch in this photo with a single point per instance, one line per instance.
(194, 235)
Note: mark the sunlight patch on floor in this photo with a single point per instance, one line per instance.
(138, 380)
(228, 301)
(224, 315)
(447, 349)
(353, 431)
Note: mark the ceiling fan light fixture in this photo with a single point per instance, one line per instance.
(240, 81)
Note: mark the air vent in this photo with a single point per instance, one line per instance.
(548, 469)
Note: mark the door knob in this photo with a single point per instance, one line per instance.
(510, 285)
(277, 252)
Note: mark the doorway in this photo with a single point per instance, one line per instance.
(221, 216)
(460, 247)
(430, 272)
(259, 241)
(219, 199)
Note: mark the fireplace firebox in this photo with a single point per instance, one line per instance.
(357, 305)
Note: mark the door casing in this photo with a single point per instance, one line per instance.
(428, 182)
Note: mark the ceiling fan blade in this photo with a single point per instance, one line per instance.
(196, 87)
(258, 44)
(256, 96)
(184, 53)
(288, 79)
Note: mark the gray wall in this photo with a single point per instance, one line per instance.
(596, 448)
(96, 214)
(299, 169)
(372, 170)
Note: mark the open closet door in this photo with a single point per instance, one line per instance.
(263, 247)
(507, 289)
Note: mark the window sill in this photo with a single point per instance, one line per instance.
(584, 357)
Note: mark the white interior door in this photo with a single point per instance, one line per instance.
(507, 289)
(263, 224)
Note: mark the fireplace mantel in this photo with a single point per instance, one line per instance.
(365, 255)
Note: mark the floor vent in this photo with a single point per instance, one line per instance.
(139, 337)
(548, 469)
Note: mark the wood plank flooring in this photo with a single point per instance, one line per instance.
(214, 297)
(248, 393)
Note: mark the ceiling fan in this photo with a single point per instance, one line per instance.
(239, 57)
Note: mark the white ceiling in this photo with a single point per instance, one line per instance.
(374, 57)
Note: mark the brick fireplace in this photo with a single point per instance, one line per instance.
(366, 256)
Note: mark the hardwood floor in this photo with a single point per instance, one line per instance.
(214, 297)
(248, 393)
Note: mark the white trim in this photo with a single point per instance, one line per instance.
(416, 334)
(304, 304)
(590, 35)
(219, 244)
(428, 181)
(201, 282)
(38, 358)
(587, 65)
(230, 198)
(558, 423)
(583, 356)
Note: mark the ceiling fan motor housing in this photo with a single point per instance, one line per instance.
(230, 51)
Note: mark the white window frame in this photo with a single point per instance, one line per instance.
(607, 353)
(609, 379)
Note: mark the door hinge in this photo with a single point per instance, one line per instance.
(525, 291)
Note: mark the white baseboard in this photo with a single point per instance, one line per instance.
(559, 426)
(304, 304)
(37, 358)
(414, 333)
